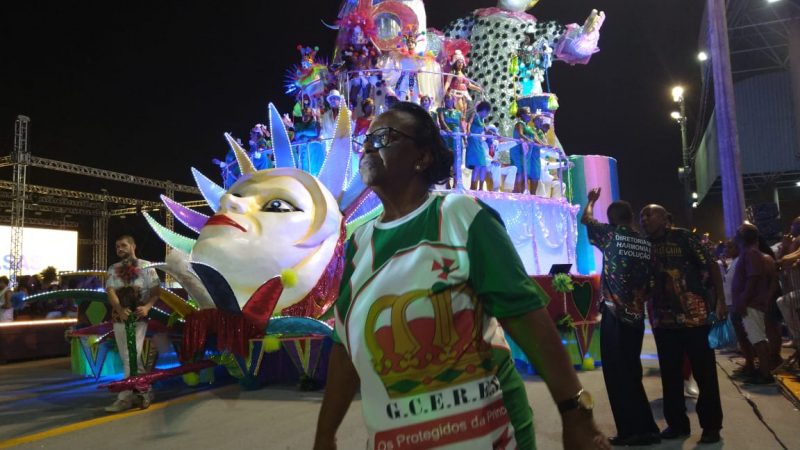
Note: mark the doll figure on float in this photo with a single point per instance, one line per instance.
(456, 81)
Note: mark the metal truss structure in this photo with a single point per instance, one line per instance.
(17, 197)
(78, 169)
(60, 210)
(19, 159)
(759, 35)
(70, 194)
(122, 212)
(49, 223)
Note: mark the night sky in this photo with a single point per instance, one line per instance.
(149, 89)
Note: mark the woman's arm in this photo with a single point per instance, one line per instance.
(340, 388)
(537, 336)
(473, 86)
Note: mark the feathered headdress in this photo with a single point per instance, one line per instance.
(409, 34)
(362, 18)
(309, 70)
(307, 53)
(456, 49)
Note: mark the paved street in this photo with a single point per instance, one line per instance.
(42, 406)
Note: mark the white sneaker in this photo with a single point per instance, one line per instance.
(119, 406)
(690, 388)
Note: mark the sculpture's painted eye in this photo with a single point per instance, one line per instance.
(279, 206)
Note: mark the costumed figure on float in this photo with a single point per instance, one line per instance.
(309, 77)
(455, 81)
(409, 71)
(357, 55)
(308, 151)
(495, 54)
(451, 122)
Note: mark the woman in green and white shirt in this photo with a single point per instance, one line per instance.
(425, 289)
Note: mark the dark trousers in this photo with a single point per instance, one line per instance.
(621, 348)
(672, 345)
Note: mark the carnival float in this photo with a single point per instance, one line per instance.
(252, 292)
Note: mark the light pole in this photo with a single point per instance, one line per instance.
(686, 171)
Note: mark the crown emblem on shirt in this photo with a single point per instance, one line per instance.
(414, 354)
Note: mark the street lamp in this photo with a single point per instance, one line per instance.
(702, 56)
(680, 117)
(677, 94)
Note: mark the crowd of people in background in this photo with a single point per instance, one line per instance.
(685, 285)
(13, 305)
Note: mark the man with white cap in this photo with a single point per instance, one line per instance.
(329, 117)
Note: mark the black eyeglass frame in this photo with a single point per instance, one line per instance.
(382, 133)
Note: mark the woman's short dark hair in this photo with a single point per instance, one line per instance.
(483, 106)
(427, 135)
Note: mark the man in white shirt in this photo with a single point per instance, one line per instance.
(132, 291)
(329, 118)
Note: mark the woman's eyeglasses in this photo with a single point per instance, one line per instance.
(379, 138)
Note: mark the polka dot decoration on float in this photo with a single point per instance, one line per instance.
(495, 39)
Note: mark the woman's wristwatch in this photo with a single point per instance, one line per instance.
(583, 401)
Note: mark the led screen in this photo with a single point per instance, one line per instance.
(41, 248)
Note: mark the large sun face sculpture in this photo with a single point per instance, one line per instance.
(267, 222)
(270, 222)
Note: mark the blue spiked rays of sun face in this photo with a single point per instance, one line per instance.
(274, 219)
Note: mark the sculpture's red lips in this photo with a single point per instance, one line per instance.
(222, 219)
